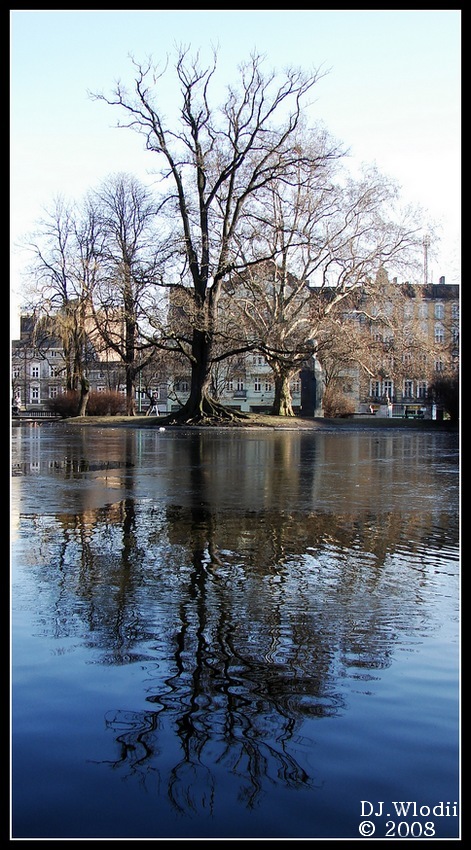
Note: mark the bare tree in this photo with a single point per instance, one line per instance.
(62, 272)
(217, 163)
(126, 282)
(328, 237)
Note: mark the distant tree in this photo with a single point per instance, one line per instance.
(62, 273)
(125, 284)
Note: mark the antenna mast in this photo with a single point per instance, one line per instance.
(426, 244)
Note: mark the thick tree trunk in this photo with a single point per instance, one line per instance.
(200, 407)
(282, 403)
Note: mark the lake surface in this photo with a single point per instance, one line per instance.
(234, 634)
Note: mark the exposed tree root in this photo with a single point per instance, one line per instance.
(209, 412)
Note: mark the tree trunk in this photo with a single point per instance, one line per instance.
(84, 395)
(130, 390)
(200, 406)
(282, 403)
(69, 372)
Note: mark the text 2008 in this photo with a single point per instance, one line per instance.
(409, 830)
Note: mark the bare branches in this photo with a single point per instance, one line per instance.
(251, 215)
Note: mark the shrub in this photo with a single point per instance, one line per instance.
(66, 404)
(336, 405)
(109, 403)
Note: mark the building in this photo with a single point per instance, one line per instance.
(419, 343)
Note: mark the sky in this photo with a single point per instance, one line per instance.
(389, 91)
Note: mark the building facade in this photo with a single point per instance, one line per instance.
(420, 345)
(395, 381)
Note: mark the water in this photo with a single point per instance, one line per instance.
(234, 634)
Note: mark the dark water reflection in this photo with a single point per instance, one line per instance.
(259, 629)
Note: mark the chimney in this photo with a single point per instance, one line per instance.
(442, 280)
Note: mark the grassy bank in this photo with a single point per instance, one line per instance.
(256, 420)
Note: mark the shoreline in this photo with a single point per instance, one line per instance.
(259, 421)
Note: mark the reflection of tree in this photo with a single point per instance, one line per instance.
(134, 732)
(245, 621)
(220, 696)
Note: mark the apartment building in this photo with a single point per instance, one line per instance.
(420, 344)
(395, 381)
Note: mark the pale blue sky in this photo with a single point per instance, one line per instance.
(392, 95)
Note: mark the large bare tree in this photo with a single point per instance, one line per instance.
(214, 165)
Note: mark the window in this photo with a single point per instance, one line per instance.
(53, 392)
(439, 365)
(240, 384)
(455, 312)
(421, 389)
(34, 395)
(267, 387)
(54, 371)
(439, 311)
(257, 385)
(408, 389)
(423, 310)
(229, 386)
(375, 389)
(439, 334)
(35, 371)
(388, 389)
(296, 387)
